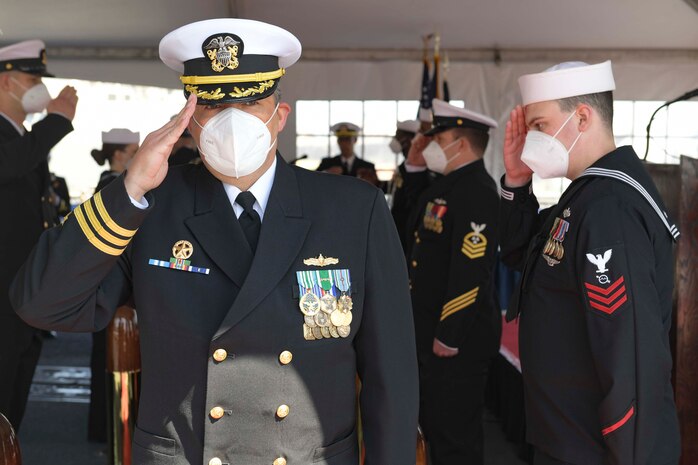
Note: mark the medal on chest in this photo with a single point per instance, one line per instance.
(554, 251)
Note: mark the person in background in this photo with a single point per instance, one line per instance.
(347, 162)
(404, 195)
(24, 185)
(118, 147)
(451, 259)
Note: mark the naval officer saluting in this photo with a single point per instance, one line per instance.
(256, 313)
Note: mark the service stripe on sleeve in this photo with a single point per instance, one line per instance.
(459, 303)
(108, 220)
(101, 230)
(91, 236)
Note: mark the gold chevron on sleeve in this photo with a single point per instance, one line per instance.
(108, 220)
(459, 303)
(474, 245)
(80, 217)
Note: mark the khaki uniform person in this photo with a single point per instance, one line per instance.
(255, 312)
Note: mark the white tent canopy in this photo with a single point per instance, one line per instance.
(372, 50)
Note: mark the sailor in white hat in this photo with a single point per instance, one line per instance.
(24, 186)
(595, 298)
(262, 289)
(451, 238)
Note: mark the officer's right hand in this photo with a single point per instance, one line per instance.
(517, 172)
(415, 156)
(149, 165)
(64, 103)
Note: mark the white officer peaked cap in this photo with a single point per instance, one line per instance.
(411, 125)
(120, 136)
(229, 60)
(569, 79)
(447, 116)
(345, 129)
(28, 56)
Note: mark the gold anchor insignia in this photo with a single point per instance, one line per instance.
(223, 53)
(182, 249)
(321, 261)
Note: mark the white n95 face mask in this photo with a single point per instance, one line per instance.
(435, 156)
(395, 146)
(545, 155)
(35, 98)
(235, 143)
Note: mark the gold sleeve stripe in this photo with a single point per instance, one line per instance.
(457, 309)
(460, 299)
(101, 231)
(107, 219)
(91, 237)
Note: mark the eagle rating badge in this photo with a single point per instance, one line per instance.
(475, 243)
(606, 293)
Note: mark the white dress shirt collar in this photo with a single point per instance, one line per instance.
(260, 189)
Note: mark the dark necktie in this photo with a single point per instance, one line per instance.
(249, 219)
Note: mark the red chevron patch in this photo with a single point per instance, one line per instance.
(608, 299)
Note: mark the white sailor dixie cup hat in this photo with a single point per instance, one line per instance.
(564, 80)
(229, 60)
(28, 56)
(447, 116)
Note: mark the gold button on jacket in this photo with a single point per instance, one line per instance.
(283, 411)
(217, 413)
(285, 357)
(220, 354)
(280, 461)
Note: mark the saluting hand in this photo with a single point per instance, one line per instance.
(64, 103)
(517, 172)
(415, 156)
(149, 165)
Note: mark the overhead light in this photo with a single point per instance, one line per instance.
(693, 3)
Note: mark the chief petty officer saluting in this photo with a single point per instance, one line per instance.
(255, 312)
(595, 298)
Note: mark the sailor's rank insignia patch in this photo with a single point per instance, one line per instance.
(475, 243)
(605, 286)
(433, 215)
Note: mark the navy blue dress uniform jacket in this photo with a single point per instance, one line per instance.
(451, 263)
(359, 163)
(79, 273)
(595, 319)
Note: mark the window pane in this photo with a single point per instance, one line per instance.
(683, 119)
(315, 147)
(623, 118)
(657, 153)
(407, 109)
(312, 117)
(346, 110)
(643, 112)
(378, 152)
(380, 117)
(677, 146)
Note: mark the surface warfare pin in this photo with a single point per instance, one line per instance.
(181, 251)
